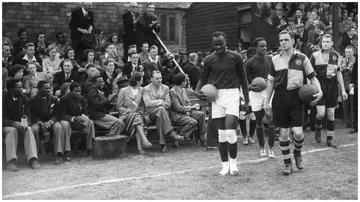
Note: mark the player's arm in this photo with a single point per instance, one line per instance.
(341, 84)
(243, 80)
(311, 75)
(270, 85)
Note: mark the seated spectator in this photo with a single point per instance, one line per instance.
(111, 53)
(100, 106)
(131, 48)
(300, 18)
(144, 52)
(192, 70)
(51, 63)
(157, 100)
(70, 54)
(100, 40)
(168, 71)
(29, 57)
(61, 44)
(5, 74)
(34, 77)
(312, 21)
(184, 60)
(131, 66)
(119, 46)
(41, 45)
(109, 75)
(89, 58)
(291, 25)
(44, 119)
(328, 30)
(67, 74)
(6, 56)
(182, 113)
(301, 38)
(130, 106)
(20, 46)
(91, 72)
(243, 54)
(154, 62)
(17, 72)
(73, 111)
(50, 79)
(16, 119)
(283, 25)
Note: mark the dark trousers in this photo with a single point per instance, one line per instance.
(79, 48)
(355, 108)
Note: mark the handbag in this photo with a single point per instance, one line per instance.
(88, 39)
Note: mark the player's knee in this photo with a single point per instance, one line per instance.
(231, 136)
(331, 114)
(320, 114)
(222, 136)
(284, 134)
(298, 134)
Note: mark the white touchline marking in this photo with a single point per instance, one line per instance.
(153, 176)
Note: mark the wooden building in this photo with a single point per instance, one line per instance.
(238, 20)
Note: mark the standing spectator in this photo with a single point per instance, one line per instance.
(144, 52)
(29, 57)
(132, 30)
(346, 68)
(73, 110)
(52, 62)
(20, 46)
(15, 108)
(130, 106)
(200, 62)
(354, 91)
(157, 100)
(41, 45)
(148, 23)
(192, 70)
(81, 23)
(6, 56)
(61, 44)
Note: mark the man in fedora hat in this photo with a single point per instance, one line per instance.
(81, 25)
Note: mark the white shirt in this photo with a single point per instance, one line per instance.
(27, 59)
(154, 61)
(134, 92)
(84, 11)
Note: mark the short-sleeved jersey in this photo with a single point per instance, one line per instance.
(223, 72)
(325, 65)
(258, 66)
(289, 75)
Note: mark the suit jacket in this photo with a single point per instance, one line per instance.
(128, 22)
(126, 100)
(146, 22)
(59, 79)
(194, 74)
(14, 110)
(179, 100)
(302, 20)
(98, 104)
(154, 97)
(71, 106)
(149, 67)
(43, 109)
(127, 69)
(78, 20)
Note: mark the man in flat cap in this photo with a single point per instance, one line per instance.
(182, 113)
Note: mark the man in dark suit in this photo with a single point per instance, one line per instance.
(66, 75)
(99, 107)
(16, 119)
(29, 57)
(132, 30)
(192, 70)
(131, 66)
(300, 17)
(154, 62)
(150, 22)
(73, 110)
(44, 117)
(81, 22)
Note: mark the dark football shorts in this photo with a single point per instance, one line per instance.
(288, 109)
(330, 92)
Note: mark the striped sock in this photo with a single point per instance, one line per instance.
(318, 124)
(285, 150)
(297, 146)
